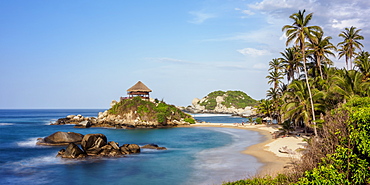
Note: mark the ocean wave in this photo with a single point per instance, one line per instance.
(31, 142)
(6, 124)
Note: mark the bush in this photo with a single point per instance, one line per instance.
(189, 120)
(259, 120)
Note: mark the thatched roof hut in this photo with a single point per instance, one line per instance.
(139, 89)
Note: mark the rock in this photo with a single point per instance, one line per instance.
(154, 146)
(130, 148)
(114, 145)
(61, 138)
(115, 153)
(93, 141)
(83, 124)
(72, 152)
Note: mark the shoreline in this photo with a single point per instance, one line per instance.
(266, 152)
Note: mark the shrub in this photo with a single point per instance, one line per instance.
(189, 120)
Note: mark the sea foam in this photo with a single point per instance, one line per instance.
(31, 142)
(6, 124)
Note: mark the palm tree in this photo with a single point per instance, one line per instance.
(349, 84)
(321, 48)
(362, 62)
(275, 76)
(350, 43)
(275, 64)
(265, 107)
(297, 103)
(299, 32)
(291, 62)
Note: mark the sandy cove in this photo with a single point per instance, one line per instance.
(267, 152)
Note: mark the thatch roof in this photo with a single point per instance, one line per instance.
(139, 87)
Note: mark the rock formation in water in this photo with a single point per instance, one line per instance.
(230, 102)
(92, 145)
(132, 113)
(60, 138)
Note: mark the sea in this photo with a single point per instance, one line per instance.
(194, 155)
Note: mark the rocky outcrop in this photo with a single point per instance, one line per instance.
(108, 120)
(154, 146)
(96, 145)
(128, 114)
(196, 107)
(60, 139)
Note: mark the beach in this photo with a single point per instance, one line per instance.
(267, 152)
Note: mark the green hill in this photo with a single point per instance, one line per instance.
(237, 99)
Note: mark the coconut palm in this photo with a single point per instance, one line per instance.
(275, 78)
(275, 75)
(349, 84)
(362, 62)
(297, 103)
(298, 33)
(291, 62)
(320, 49)
(350, 43)
(265, 107)
(275, 64)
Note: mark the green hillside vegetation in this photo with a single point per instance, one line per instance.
(237, 99)
(149, 111)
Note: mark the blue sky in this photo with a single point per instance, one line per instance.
(84, 54)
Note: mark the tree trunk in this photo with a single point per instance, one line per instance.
(309, 89)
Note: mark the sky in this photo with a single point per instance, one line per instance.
(86, 53)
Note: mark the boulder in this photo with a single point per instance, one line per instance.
(114, 145)
(83, 124)
(154, 146)
(72, 152)
(93, 142)
(61, 138)
(130, 149)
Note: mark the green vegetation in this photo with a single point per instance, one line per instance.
(148, 111)
(333, 103)
(237, 99)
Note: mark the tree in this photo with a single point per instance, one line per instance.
(349, 84)
(350, 43)
(275, 78)
(265, 107)
(297, 103)
(291, 62)
(362, 62)
(298, 33)
(321, 48)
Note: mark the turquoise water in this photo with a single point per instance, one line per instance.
(194, 155)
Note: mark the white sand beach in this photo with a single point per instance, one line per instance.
(268, 152)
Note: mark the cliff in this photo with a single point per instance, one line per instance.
(229, 102)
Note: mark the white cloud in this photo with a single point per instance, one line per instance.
(200, 17)
(347, 23)
(253, 52)
(248, 12)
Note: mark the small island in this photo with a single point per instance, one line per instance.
(135, 111)
(221, 102)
